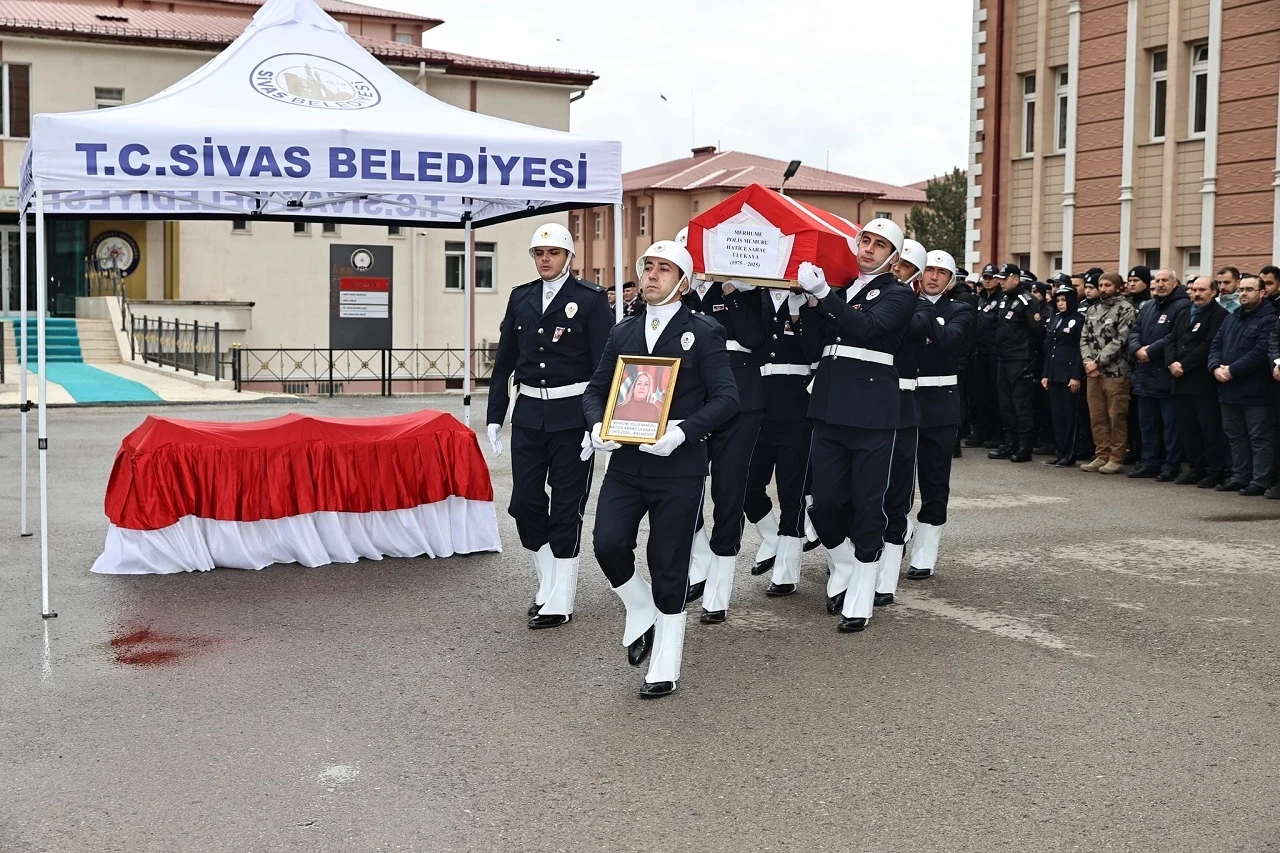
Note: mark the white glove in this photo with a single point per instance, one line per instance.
(813, 280)
(795, 302)
(737, 285)
(598, 443)
(664, 446)
(495, 438)
(587, 448)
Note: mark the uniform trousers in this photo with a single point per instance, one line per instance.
(902, 486)
(730, 448)
(1064, 407)
(1016, 386)
(782, 453)
(933, 466)
(540, 459)
(1200, 429)
(673, 505)
(984, 400)
(850, 476)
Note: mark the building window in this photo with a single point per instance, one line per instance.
(17, 100)
(1023, 262)
(108, 98)
(454, 262)
(576, 222)
(239, 226)
(395, 230)
(1191, 262)
(599, 229)
(329, 229)
(302, 228)
(1028, 114)
(1151, 259)
(1159, 92)
(695, 205)
(644, 221)
(1199, 89)
(884, 214)
(1055, 263)
(404, 38)
(1060, 116)
(595, 274)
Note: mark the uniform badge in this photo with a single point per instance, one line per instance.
(873, 294)
(787, 330)
(1071, 324)
(1196, 327)
(686, 341)
(1036, 317)
(1163, 317)
(942, 321)
(571, 309)
(719, 306)
(560, 330)
(1008, 315)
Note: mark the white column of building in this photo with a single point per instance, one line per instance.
(973, 234)
(1130, 107)
(1069, 167)
(1209, 187)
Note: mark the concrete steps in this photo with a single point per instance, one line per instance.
(98, 344)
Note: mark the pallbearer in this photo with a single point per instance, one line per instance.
(939, 401)
(663, 480)
(552, 336)
(854, 409)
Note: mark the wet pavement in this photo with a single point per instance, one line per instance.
(1094, 668)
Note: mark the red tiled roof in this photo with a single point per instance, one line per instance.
(110, 23)
(735, 170)
(342, 7)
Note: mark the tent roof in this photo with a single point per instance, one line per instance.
(295, 120)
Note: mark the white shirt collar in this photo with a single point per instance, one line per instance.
(702, 288)
(656, 318)
(554, 284)
(778, 297)
(933, 299)
(856, 288)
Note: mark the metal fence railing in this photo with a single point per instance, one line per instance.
(330, 372)
(183, 346)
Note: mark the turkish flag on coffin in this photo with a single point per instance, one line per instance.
(733, 238)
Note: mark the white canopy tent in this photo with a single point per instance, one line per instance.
(296, 121)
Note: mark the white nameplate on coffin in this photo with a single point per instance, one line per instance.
(746, 249)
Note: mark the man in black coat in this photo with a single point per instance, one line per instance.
(1019, 332)
(552, 336)
(1195, 391)
(984, 400)
(662, 480)
(1151, 381)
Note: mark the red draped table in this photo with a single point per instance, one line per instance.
(190, 495)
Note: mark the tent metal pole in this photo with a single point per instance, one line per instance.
(42, 430)
(23, 406)
(468, 291)
(617, 263)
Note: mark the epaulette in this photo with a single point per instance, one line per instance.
(590, 285)
(1026, 300)
(527, 284)
(711, 324)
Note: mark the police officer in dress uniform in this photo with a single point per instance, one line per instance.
(736, 307)
(938, 398)
(1019, 330)
(854, 408)
(902, 473)
(782, 450)
(663, 480)
(984, 414)
(552, 336)
(1063, 378)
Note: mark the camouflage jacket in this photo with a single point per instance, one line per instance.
(1106, 329)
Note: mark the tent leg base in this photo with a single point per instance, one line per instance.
(49, 615)
(26, 535)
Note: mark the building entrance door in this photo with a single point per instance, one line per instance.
(10, 273)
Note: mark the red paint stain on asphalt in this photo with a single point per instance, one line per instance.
(146, 648)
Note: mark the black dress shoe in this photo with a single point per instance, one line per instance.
(657, 690)
(810, 544)
(1167, 476)
(835, 602)
(778, 590)
(712, 617)
(763, 566)
(1252, 491)
(638, 652)
(695, 590)
(1055, 462)
(533, 609)
(1021, 456)
(1229, 487)
(851, 626)
(918, 574)
(541, 621)
(882, 599)
(1212, 481)
(1189, 478)
(1143, 473)
(1000, 453)
(1069, 462)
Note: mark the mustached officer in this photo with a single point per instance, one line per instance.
(902, 474)
(552, 337)
(736, 307)
(937, 395)
(854, 407)
(663, 480)
(782, 450)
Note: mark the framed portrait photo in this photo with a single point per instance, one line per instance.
(639, 399)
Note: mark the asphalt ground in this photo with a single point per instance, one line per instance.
(1093, 668)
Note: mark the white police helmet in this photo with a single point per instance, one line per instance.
(914, 254)
(682, 236)
(668, 250)
(551, 235)
(943, 261)
(887, 229)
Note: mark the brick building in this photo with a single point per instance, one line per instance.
(657, 201)
(1118, 132)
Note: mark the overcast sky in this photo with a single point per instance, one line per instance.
(881, 87)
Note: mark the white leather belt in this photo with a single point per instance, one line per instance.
(785, 370)
(837, 351)
(938, 381)
(557, 393)
(906, 384)
(734, 346)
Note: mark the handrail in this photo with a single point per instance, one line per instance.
(330, 369)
